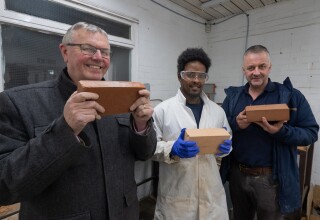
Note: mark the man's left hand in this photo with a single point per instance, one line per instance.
(225, 147)
(142, 110)
(270, 128)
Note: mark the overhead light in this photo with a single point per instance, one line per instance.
(212, 3)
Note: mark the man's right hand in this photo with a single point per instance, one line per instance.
(242, 120)
(80, 109)
(270, 128)
(184, 149)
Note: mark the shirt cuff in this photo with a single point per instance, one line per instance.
(143, 132)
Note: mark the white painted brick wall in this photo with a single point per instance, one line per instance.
(290, 30)
(162, 36)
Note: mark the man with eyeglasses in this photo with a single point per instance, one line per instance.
(189, 184)
(90, 50)
(262, 169)
(58, 157)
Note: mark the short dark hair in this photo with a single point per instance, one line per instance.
(193, 54)
(256, 49)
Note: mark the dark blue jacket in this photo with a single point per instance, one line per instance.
(301, 130)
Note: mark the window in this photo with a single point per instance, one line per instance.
(58, 12)
(30, 50)
(32, 57)
(29, 56)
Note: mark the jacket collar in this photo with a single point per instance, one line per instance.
(65, 84)
(269, 87)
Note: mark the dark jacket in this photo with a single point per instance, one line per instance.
(301, 130)
(43, 165)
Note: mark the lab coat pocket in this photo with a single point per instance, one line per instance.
(176, 208)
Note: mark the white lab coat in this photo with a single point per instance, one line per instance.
(189, 189)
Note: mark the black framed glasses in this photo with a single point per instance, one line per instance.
(90, 50)
(192, 75)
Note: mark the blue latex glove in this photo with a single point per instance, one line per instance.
(184, 149)
(225, 147)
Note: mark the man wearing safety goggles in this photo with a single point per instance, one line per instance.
(189, 184)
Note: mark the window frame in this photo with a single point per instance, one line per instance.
(9, 17)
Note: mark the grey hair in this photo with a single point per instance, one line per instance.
(257, 49)
(67, 38)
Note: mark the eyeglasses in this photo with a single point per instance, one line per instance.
(90, 50)
(192, 75)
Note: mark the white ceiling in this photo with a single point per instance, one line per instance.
(211, 10)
